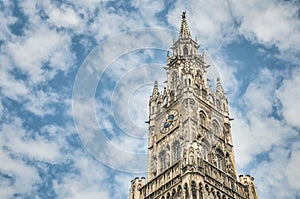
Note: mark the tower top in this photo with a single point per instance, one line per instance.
(184, 29)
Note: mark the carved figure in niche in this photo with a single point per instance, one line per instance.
(191, 156)
(213, 158)
(229, 165)
(198, 155)
(226, 135)
(194, 134)
(153, 165)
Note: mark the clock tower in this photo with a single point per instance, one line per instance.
(190, 150)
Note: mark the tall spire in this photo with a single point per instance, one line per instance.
(184, 29)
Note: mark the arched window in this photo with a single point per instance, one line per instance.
(176, 150)
(162, 160)
(205, 152)
(202, 119)
(211, 99)
(219, 159)
(185, 51)
(219, 162)
(194, 192)
(215, 128)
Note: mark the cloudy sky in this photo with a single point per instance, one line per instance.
(76, 76)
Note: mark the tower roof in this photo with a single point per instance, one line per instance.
(184, 29)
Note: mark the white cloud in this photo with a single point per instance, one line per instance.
(11, 87)
(41, 103)
(6, 20)
(256, 131)
(23, 177)
(277, 176)
(289, 96)
(42, 46)
(17, 139)
(263, 141)
(292, 167)
(269, 22)
(64, 17)
(91, 181)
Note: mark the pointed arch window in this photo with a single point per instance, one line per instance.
(215, 128)
(219, 162)
(211, 99)
(176, 150)
(205, 152)
(185, 50)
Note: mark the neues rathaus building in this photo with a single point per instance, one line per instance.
(190, 149)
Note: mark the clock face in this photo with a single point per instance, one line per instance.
(169, 121)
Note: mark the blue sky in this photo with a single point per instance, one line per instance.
(76, 76)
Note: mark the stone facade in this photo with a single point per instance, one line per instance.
(190, 150)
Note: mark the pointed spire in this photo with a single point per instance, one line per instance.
(155, 92)
(219, 86)
(184, 29)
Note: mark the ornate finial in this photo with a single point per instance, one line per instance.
(184, 29)
(183, 14)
